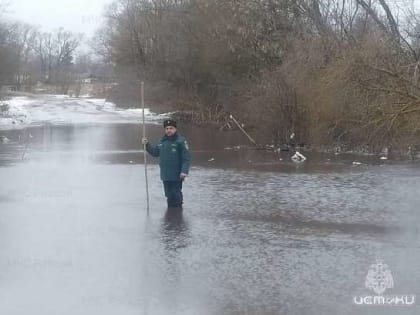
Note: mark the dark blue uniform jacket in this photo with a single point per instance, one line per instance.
(174, 156)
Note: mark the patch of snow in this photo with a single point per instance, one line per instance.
(16, 114)
(62, 109)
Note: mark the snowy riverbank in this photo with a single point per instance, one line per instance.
(22, 111)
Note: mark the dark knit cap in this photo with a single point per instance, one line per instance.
(169, 122)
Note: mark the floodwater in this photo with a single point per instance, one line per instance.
(258, 233)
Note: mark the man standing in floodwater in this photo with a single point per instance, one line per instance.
(174, 161)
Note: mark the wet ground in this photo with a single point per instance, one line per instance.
(258, 234)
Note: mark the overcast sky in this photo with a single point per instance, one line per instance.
(80, 16)
(84, 16)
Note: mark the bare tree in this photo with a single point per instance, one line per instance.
(22, 38)
(326, 70)
(56, 52)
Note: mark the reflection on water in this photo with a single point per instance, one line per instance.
(121, 144)
(258, 235)
(174, 229)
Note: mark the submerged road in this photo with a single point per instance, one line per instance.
(257, 236)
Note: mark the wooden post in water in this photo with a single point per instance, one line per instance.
(144, 147)
(243, 130)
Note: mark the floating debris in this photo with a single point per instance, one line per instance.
(298, 157)
(211, 160)
(411, 152)
(357, 163)
(4, 139)
(338, 150)
(384, 153)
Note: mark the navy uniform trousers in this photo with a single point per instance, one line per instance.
(173, 193)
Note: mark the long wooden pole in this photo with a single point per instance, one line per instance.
(243, 130)
(144, 147)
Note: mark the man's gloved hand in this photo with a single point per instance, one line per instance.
(183, 175)
(144, 141)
